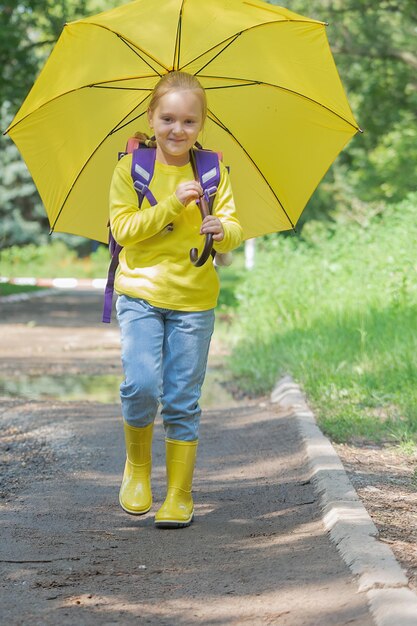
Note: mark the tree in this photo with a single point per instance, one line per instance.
(28, 31)
(374, 45)
(22, 218)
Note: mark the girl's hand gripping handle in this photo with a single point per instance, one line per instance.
(198, 261)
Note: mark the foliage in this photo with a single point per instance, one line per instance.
(53, 260)
(22, 218)
(374, 45)
(19, 60)
(28, 31)
(335, 309)
(230, 278)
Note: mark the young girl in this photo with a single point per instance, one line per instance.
(166, 305)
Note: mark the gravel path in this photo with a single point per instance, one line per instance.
(256, 554)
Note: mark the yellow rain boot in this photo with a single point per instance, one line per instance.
(135, 493)
(178, 509)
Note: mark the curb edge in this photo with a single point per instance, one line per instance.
(355, 535)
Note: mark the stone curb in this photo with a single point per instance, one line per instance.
(391, 601)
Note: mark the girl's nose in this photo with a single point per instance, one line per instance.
(178, 128)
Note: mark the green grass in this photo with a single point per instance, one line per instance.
(230, 278)
(6, 289)
(339, 312)
(57, 260)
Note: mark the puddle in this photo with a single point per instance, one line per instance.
(214, 394)
(65, 388)
(99, 389)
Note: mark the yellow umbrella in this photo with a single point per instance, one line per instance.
(276, 106)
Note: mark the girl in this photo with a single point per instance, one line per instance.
(166, 305)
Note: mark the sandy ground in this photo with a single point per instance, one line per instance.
(256, 554)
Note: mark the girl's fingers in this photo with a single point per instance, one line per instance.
(186, 192)
(214, 226)
(195, 186)
(212, 222)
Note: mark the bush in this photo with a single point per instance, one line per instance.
(55, 260)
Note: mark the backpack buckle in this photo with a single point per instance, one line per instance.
(209, 192)
(140, 187)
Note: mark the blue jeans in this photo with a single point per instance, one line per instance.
(164, 356)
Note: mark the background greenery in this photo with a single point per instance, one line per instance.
(337, 309)
(334, 304)
(28, 31)
(374, 44)
(56, 260)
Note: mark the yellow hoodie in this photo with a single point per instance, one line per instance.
(154, 264)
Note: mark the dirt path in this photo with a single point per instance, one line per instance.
(256, 554)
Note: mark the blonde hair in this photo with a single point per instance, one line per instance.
(176, 81)
(170, 82)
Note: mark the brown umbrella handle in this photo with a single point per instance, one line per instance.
(196, 260)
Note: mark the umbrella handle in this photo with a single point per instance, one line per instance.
(196, 260)
(203, 205)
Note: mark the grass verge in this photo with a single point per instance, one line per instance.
(338, 310)
(6, 289)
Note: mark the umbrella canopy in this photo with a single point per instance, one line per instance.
(276, 106)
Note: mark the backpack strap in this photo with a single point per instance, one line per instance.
(208, 170)
(143, 166)
(206, 167)
(111, 274)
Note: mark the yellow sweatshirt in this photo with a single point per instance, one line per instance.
(154, 263)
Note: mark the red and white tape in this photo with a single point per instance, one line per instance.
(57, 283)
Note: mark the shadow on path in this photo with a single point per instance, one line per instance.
(256, 554)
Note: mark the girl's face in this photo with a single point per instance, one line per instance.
(176, 122)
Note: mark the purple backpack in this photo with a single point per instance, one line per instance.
(206, 169)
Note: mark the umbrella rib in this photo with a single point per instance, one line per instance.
(115, 129)
(66, 93)
(238, 34)
(129, 44)
(232, 40)
(119, 88)
(60, 95)
(216, 55)
(219, 123)
(247, 82)
(104, 83)
(177, 51)
(136, 51)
